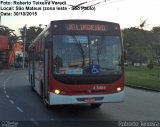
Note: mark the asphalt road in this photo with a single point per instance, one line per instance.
(19, 103)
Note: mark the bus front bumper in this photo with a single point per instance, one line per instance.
(55, 99)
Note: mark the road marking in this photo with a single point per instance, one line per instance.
(19, 109)
(7, 96)
(36, 123)
(5, 81)
(11, 101)
(5, 92)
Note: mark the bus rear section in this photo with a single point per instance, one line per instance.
(82, 64)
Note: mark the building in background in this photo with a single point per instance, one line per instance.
(16, 54)
(4, 50)
(8, 57)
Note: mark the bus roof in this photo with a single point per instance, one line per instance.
(82, 20)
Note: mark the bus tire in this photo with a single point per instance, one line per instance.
(43, 97)
(95, 105)
(42, 91)
(48, 106)
(32, 83)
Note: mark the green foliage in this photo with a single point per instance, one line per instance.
(150, 65)
(142, 46)
(31, 33)
(142, 76)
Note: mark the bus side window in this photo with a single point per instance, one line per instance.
(38, 56)
(36, 52)
(41, 51)
(41, 56)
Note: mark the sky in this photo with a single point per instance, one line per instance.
(128, 13)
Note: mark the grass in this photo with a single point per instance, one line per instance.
(142, 76)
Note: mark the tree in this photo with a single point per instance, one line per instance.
(142, 45)
(31, 33)
(156, 43)
(137, 45)
(12, 37)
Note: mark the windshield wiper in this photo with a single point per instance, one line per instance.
(81, 50)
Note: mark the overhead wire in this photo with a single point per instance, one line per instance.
(98, 3)
(79, 5)
(101, 3)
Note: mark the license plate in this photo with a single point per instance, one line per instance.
(89, 99)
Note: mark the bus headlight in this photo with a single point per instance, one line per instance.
(56, 91)
(119, 89)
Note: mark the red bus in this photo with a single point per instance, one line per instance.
(78, 62)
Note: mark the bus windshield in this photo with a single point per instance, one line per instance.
(86, 55)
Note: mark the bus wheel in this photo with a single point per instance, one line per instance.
(95, 105)
(32, 83)
(46, 104)
(43, 97)
(42, 91)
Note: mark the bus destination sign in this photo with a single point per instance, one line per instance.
(86, 27)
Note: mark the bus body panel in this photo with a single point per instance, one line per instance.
(83, 89)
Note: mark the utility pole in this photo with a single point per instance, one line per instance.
(24, 47)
